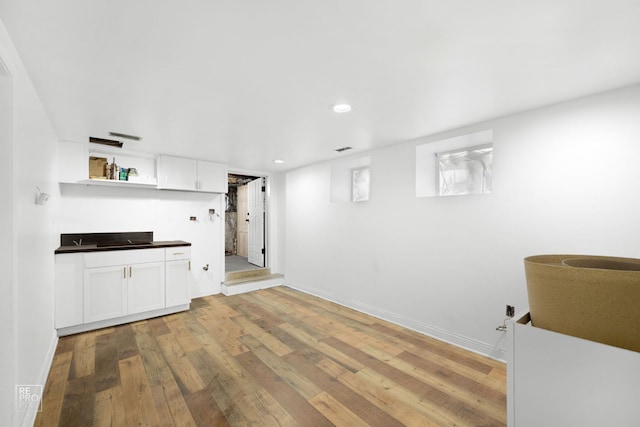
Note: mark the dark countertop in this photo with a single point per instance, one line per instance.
(120, 247)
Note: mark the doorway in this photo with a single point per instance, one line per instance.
(245, 223)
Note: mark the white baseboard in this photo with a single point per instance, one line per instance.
(206, 292)
(415, 325)
(121, 320)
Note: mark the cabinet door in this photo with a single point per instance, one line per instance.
(145, 289)
(178, 282)
(212, 177)
(104, 293)
(177, 173)
(68, 290)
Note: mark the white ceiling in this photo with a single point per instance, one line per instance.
(247, 81)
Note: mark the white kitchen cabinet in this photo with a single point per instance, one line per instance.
(119, 283)
(177, 173)
(177, 291)
(69, 279)
(146, 287)
(163, 172)
(104, 288)
(178, 267)
(212, 177)
(122, 257)
(105, 295)
(120, 290)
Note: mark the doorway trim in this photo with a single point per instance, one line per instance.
(265, 219)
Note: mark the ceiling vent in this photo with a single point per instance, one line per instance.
(103, 141)
(113, 142)
(340, 150)
(125, 136)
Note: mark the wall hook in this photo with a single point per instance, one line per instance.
(41, 198)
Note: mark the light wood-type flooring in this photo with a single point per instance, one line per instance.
(275, 357)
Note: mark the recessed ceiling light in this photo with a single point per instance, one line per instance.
(278, 161)
(341, 108)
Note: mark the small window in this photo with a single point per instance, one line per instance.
(429, 155)
(350, 180)
(464, 171)
(360, 182)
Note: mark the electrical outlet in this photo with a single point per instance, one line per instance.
(511, 311)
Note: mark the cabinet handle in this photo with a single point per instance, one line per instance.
(178, 253)
(130, 271)
(124, 271)
(189, 265)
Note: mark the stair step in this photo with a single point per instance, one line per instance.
(252, 279)
(247, 274)
(239, 286)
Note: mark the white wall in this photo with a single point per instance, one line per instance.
(96, 209)
(276, 222)
(566, 179)
(28, 280)
(6, 249)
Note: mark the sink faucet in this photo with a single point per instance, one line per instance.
(78, 243)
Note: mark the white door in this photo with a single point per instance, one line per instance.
(255, 198)
(146, 287)
(242, 224)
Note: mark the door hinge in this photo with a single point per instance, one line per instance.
(262, 251)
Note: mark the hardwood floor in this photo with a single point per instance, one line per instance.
(276, 357)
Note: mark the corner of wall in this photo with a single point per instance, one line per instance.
(32, 148)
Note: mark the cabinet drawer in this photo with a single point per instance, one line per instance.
(125, 257)
(178, 253)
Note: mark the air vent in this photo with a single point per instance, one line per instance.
(124, 135)
(340, 150)
(109, 142)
